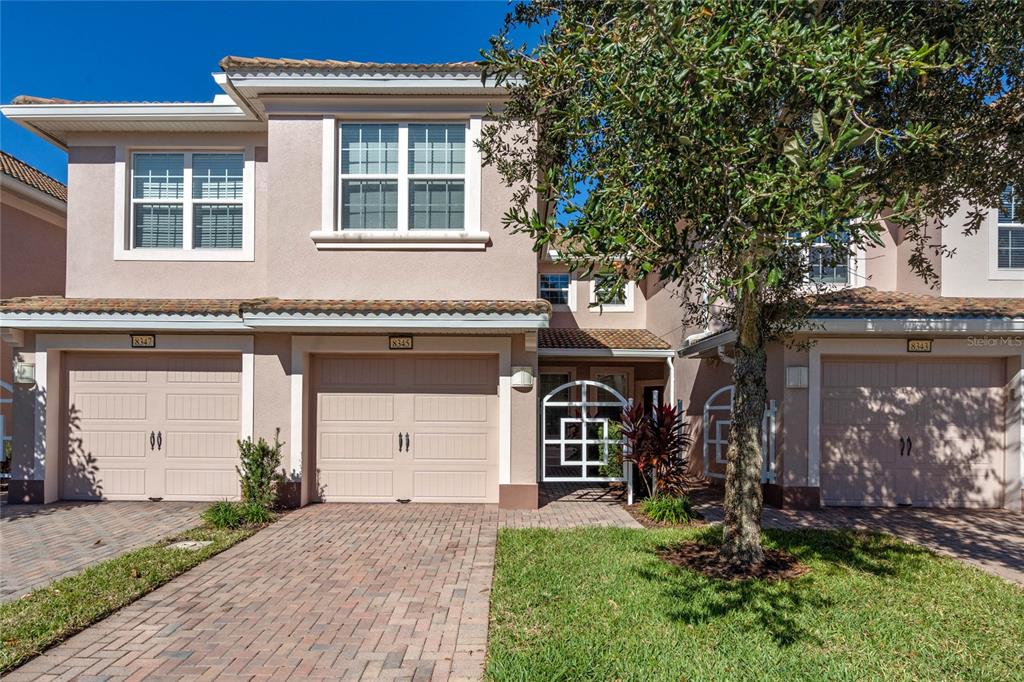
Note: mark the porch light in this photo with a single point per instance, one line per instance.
(522, 377)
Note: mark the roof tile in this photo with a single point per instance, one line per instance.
(600, 339)
(232, 63)
(33, 177)
(866, 302)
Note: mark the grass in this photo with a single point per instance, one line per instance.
(597, 604)
(51, 614)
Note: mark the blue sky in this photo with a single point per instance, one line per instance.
(167, 50)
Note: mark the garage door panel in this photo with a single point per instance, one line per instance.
(450, 408)
(357, 408)
(202, 407)
(201, 483)
(357, 484)
(450, 446)
(114, 406)
(949, 412)
(204, 370)
(467, 375)
(355, 446)
(197, 444)
(449, 485)
(114, 443)
(352, 372)
(88, 482)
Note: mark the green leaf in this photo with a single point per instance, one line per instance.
(820, 124)
(793, 152)
(834, 181)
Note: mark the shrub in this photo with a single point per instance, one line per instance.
(255, 514)
(655, 444)
(224, 514)
(260, 470)
(668, 509)
(613, 469)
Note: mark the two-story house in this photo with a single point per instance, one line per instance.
(320, 250)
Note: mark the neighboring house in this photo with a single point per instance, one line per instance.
(33, 213)
(320, 250)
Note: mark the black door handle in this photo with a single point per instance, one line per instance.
(399, 441)
(902, 445)
(159, 440)
(407, 441)
(152, 440)
(910, 444)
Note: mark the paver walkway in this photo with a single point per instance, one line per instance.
(990, 539)
(40, 543)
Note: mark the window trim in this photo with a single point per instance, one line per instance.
(571, 298)
(124, 203)
(994, 271)
(332, 236)
(627, 306)
(856, 271)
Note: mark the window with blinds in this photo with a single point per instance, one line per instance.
(398, 176)
(1010, 240)
(187, 200)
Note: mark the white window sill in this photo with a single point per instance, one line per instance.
(425, 240)
(186, 255)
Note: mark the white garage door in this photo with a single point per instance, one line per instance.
(926, 432)
(420, 428)
(141, 426)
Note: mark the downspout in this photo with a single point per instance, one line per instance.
(671, 380)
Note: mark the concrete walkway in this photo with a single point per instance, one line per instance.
(990, 539)
(40, 543)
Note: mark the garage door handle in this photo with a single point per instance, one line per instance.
(399, 441)
(159, 440)
(152, 440)
(910, 444)
(407, 441)
(902, 445)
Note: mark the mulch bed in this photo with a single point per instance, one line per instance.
(704, 558)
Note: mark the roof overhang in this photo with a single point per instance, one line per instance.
(635, 353)
(17, 187)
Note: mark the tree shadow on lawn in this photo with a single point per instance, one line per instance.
(781, 608)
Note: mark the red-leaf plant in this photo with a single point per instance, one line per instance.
(654, 443)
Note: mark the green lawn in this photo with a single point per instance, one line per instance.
(51, 614)
(597, 604)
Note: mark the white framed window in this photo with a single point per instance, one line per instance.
(401, 185)
(174, 204)
(623, 302)
(558, 289)
(1010, 227)
(823, 270)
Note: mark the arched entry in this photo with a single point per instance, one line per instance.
(576, 438)
(717, 422)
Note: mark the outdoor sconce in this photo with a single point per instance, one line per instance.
(522, 377)
(24, 373)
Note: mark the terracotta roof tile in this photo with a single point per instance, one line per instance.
(397, 307)
(600, 339)
(869, 302)
(33, 177)
(57, 304)
(232, 63)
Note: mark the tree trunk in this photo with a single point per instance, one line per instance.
(742, 526)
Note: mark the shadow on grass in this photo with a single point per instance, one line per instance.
(783, 609)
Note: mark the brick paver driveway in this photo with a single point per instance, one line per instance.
(990, 539)
(40, 543)
(334, 591)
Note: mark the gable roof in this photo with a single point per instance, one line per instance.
(14, 167)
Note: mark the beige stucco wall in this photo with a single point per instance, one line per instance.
(971, 271)
(597, 317)
(524, 417)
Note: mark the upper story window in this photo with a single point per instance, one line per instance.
(185, 205)
(403, 177)
(554, 288)
(824, 267)
(601, 286)
(1010, 241)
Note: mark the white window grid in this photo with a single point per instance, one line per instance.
(1013, 226)
(186, 201)
(554, 287)
(403, 177)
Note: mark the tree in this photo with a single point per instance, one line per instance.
(712, 142)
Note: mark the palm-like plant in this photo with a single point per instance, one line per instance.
(654, 443)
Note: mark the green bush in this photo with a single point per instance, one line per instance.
(255, 514)
(613, 469)
(260, 470)
(667, 509)
(224, 514)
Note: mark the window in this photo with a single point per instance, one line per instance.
(823, 265)
(187, 202)
(1010, 241)
(403, 177)
(621, 302)
(554, 288)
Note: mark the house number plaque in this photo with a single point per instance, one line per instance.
(143, 341)
(400, 342)
(919, 345)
